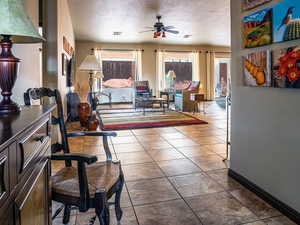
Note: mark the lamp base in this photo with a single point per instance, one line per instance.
(8, 74)
(9, 108)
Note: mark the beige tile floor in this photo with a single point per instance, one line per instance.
(176, 176)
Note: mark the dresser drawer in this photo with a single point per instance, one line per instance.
(4, 176)
(29, 147)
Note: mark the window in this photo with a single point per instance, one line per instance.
(181, 64)
(118, 64)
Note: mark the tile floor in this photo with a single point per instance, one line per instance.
(176, 176)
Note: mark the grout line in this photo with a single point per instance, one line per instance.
(178, 192)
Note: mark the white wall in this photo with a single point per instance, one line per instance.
(65, 29)
(30, 74)
(265, 126)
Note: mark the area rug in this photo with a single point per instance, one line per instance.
(136, 120)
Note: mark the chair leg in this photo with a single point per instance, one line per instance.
(67, 213)
(107, 216)
(101, 207)
(118, 209)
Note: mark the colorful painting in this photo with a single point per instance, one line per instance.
(258, 29)
(250, 4)
(257, 69)
(286, 21)
(286, 67)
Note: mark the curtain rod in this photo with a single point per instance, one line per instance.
(218, 52)
(192, 51)
(119, 50)
(179, 51)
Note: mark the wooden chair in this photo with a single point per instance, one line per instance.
(92, 183)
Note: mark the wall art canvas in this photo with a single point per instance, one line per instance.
(286, 21)
(257, 29)
(286, 67)
(257, 69)
(250, 4)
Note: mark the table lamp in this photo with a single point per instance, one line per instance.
(171, 76)
(92, 65)
(15, 27)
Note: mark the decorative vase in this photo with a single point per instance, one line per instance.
(84, 111)
(93, 124)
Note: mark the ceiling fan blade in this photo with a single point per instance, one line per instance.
(148, 27)
(172, 31)
(169, 27)
(146, 31)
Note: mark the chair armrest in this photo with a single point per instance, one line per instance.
(89, 159)
(105, 136)
(92, 134)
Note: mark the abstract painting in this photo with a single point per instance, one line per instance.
(257, 69)
(250, 4)
(286, 67)
(286, 21)
(257, 29)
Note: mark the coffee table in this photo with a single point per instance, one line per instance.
(145, 103)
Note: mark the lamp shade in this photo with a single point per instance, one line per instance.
(16, 23)
(91, 64)
(171, 74)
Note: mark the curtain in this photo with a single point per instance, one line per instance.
(210, 75)
(138, 65)
(196, 65)
(160, 70)
(97, 84)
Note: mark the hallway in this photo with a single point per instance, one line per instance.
(176, 176)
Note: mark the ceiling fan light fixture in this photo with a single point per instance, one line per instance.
(164, 35)
(155, 35)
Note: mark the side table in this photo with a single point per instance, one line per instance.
(198, 99)
(167, 94)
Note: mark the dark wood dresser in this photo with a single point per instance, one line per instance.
(25, 139)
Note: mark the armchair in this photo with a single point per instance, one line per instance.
(182, 97)
(90, 184)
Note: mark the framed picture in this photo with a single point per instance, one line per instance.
(250, 4)
(71, 72)
(257, 69)
(286, 21)
(257, 28)
(286, 67)
(64, 64)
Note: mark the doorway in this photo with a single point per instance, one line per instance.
(222, 77)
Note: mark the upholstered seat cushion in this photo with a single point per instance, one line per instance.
(100, 175)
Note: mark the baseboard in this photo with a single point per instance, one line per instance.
(277, 204)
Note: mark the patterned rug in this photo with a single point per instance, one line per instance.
(114, 120)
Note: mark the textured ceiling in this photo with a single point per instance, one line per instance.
(208, 21)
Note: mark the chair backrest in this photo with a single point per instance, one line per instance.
(40, 94)
(141, 87)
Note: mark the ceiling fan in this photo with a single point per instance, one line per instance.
(160, 29)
